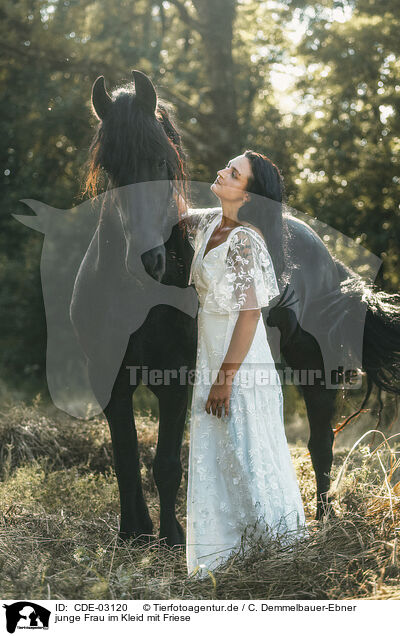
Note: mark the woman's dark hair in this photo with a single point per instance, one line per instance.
(265, 210)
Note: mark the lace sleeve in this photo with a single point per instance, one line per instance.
(249, 272)
(197, 220)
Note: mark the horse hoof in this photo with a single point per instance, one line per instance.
(135, 539)
(175, 547)
(175, 539)
(325, 511)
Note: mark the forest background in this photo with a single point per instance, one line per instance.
(314, 85)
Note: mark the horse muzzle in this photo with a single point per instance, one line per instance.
(154, 262)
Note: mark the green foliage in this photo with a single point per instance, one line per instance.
(214, 63)
(348, 159)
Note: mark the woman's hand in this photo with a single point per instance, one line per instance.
(219, 397)
(241, 340)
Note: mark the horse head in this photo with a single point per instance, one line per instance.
(138, 147)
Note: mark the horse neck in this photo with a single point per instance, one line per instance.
(180, 251)
(111, 242)
(111, 248)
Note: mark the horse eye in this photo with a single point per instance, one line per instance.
(162, 163)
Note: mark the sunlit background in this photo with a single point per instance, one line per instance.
(314, 85)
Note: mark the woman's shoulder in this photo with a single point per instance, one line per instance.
(197, 222)
(247, 241)
(246, 232)
(202, 211)
(199, 215)
(252, 227)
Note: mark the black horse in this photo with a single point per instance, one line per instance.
(136, 142)
(125, 319)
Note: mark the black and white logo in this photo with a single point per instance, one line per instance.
(26, 615)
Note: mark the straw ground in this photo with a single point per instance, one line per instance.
(59, 523)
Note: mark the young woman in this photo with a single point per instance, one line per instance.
(241, 479)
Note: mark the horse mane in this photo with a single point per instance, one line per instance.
(126, 137)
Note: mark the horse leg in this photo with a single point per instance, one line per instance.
(302, 352)
(135, 518)
(167, 468)
(321, 408)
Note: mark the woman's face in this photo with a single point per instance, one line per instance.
(231, 182)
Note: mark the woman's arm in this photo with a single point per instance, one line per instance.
(180, 202)
(240, 343)
(191, 216)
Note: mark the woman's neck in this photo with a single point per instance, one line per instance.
(229, 214)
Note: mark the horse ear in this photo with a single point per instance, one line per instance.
(44, 215)
(145, 91)
(101, 100)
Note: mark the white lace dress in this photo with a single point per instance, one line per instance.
(240, 471)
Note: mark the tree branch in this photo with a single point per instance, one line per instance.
(185, 15)
(182, 103)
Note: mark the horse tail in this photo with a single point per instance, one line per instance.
(381, 343)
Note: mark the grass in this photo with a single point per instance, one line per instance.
(59, 512)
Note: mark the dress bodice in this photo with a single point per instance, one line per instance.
(234, 275)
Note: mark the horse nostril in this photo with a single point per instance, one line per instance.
(154, 262)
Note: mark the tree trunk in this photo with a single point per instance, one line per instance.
(215, 25)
